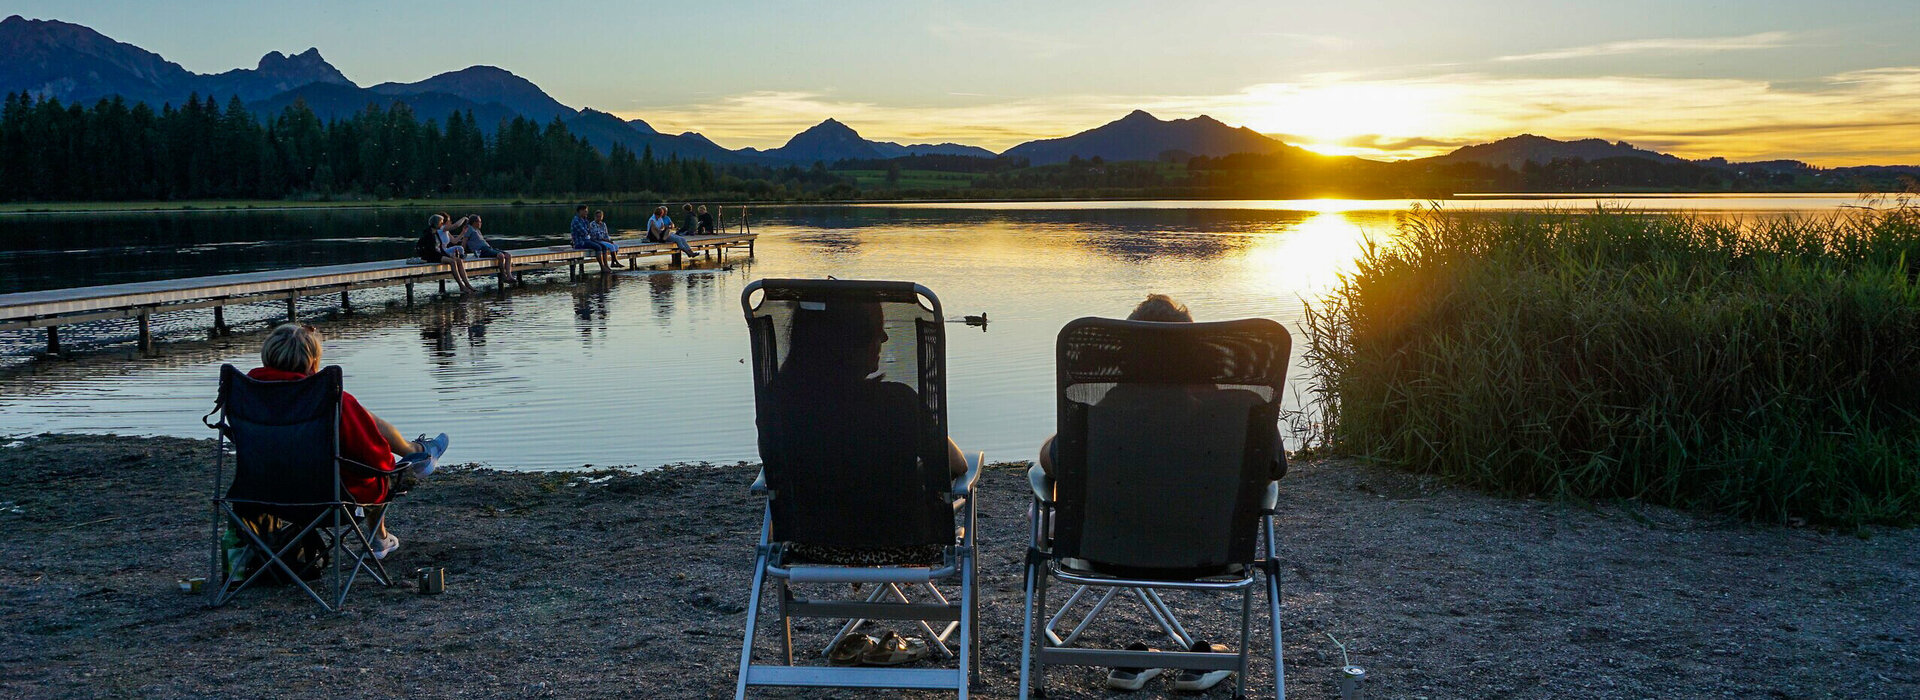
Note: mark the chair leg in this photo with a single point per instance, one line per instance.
(1026, 630)
(753, 615)
(1273, 609)
(786, 623)
(1164, 615)
(968, 674)
(1246, 638)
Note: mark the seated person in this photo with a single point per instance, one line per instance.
(706, 222)
(1161, 308)
(438, 245)
(292, 352)
(660, 228)
(476, 244)
(583, 233)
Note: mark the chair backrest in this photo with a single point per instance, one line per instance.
(849, 382)
(285, 436)
(1166, 437)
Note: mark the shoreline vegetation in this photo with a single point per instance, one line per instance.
(1765, 369)
(116, 151)
(615, 583)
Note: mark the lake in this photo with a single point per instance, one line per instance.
(646, 367)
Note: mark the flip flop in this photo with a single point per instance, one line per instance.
(895, 650)
(849, 649)
(1132, 678)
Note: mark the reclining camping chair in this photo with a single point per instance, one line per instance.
(855, 463)
(287, 507)
(1162, 480)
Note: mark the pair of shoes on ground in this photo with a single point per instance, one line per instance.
(890, 649)
(423, 462)
(1192, 681)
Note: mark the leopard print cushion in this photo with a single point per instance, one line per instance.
(799, 553)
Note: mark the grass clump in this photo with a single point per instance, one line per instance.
(1768, 369)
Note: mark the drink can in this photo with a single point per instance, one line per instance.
(1351, 680)
(433, 580)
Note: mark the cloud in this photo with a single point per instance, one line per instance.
(1750, 42)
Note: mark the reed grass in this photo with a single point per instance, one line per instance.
(1768, 368)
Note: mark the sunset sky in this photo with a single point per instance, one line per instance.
(1834, 82)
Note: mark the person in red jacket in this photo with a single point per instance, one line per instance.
(291, 352)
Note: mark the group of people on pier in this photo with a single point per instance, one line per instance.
(451, 241)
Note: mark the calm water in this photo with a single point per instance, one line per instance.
(646, 367)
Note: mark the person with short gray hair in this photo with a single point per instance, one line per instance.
(292, 352)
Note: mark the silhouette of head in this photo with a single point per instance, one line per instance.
(1160, 307)
(839, 343)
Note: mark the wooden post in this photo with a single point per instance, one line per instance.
(146, 333)
(220, 320)
(409, 295)
(676, 258)
(53, 340)
(443, 286)
(293, 310)
(346, 304)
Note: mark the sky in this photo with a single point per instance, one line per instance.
(1832, 82)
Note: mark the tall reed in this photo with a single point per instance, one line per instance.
(1767, 368)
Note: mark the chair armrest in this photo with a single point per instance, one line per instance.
(370, 469)
(1272, 499)
(760, 482)
(1041, 483)
(963, 484)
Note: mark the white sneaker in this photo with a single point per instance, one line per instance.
(383, 546)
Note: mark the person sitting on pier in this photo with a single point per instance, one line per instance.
(660, 228)
(436, 245)
(706, 222)
(476, 244)
(582, 232)
(291, 352)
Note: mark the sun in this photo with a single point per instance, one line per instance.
(1338, 119)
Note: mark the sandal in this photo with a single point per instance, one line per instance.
(849, 649)
(1197, 681)
(895, 650)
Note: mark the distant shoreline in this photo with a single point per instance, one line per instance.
(262, 205)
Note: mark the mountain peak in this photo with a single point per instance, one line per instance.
(1139, 115)
(1142, 136)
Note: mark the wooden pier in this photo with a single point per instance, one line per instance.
(53, 308)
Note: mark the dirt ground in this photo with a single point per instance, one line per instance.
(572, 585)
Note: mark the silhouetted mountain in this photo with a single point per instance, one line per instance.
(894, 150)
(603, 130)
(330, 101)
(72, 63)
(277, 73)
(488, 85)
(644, 128)
(1141, 136)
(827, 141)
(1516, 151)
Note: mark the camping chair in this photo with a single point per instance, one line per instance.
(1162, 480)
(286, 496)
(857, 464)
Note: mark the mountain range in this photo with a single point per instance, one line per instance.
(73, 63)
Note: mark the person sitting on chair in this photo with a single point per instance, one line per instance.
(1163, 309)
(291, 352)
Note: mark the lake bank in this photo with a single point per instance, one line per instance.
(634, 585)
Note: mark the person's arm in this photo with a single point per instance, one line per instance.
(396, 442)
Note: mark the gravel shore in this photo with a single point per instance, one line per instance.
(622, 584)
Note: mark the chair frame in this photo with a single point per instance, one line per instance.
(889, 600)
(342, 525)
(1051, 647)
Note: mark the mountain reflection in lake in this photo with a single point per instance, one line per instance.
(647, 367)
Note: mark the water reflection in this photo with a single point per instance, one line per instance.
(646, 367)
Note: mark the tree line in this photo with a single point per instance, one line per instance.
(115, 150)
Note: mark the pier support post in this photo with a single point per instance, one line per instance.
(676, 259)
(219, 320)
(293, 310)
(53, 340)
(346, 304)
(409, 295)
(146, 332)
(443, 286)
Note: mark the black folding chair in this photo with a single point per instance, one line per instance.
(1163, 479)
(287, 491)
(850, 395)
